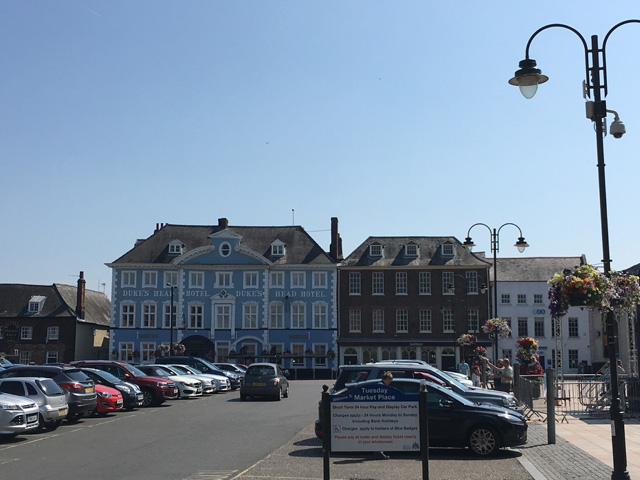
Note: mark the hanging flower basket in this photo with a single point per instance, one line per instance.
(178, 348)
(586, 287)
(497, 326)
(466, 339)
(480, 351)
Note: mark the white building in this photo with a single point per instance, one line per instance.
(523, 301)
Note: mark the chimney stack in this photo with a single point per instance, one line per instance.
(223, 223)
(335, 249)
(80, 297)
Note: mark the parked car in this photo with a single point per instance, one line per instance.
(109, 400)
(81, 394)
(5, 363)
(232, 367)
(455, 421)
(47, 394)
(265, 379)
(187, 386)
(220, 382)
(368, 371)
(208, 385)
(155, 390)
(131, 394)
(17, 415)
(202, 365)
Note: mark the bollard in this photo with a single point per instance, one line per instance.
(326, 432)
(423, 419)
(551, 407)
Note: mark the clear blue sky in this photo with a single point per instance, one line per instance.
(396, 117)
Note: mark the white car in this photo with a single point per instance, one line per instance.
(17, 415)
(188, 386)
(208, 385)
(50, 398)
(222, 382)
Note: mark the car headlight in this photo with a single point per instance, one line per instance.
(104, 394)
(512, 419)
(11, 407)
(125, 389)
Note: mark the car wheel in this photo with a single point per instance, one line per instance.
(278, 396)
(285, 394)
(243, 397)
(148, 398)
(54, 424)
(41, 424)
(483, 441)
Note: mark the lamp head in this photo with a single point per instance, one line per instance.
(468, 243)
(521, 244)
(528, 78)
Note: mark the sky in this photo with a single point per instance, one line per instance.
(395, 117)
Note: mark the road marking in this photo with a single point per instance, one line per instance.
(211, 475)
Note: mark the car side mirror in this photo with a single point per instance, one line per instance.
(286, 373)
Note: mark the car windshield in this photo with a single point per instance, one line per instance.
(77, 375)
(213, 368)
(452, 380)
(136, 371)
(260, 371)
(49, 387)
(160, 371)
(181, 370)
(171, 370)
(106, 376)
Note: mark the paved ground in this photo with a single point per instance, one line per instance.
(582, 451)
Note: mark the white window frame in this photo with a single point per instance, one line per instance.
(402, 320)
(320, 315)
(196, 280)
(448, 285)
(52, 357)
(573, 327)
(411, 250)
(473, 320)
(401, 283)
(375, 250)
(447, 250)
(298, 315)
(355, 320)
(277, 279)
(147, 352)
(471, 283)
(149, 279)
(149, 315)
(25, 357)
(34, 307)
(276, 315)
(223, 316)
(250, 279)
(424, 283)
(538, 327)
(225, 249)
(128, 278)
(26, 332)
(426, 322)
(250, 315)
(320, 349)
(196, 316)
(224, 280)
(377, 320)
(537, 298)
(354, 283)
(522, 299)
(319, 280)
(125, 351)
(166, 315)
(448, 321)
(298, 279)
(505, 298)
(53, 332)
(298, 360)
(377, 283)
(171, 278)
(127, 315)
(523, 321)
(175, 248)
(277, 249)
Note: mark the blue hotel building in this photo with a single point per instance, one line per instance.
(238, 294)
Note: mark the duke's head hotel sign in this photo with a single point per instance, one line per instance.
(374, 417)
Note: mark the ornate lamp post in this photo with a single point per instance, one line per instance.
(528, 78)
(521, 244)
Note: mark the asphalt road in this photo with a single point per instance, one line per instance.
(219, 437)
(208, 437)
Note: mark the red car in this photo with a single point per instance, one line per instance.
(109, 400)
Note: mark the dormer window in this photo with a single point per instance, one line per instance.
(36, 303)
(277, 249)
(175, 248)
(447, 250)
(375, 250)
(411, 250)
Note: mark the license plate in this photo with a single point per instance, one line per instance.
(88, 390)
(62, 412)
(32, 418)
(259, 384)
(118, 402)
(140, 397)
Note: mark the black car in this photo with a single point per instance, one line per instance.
(407, 369)
(202, 365)
(80, 389)
(455, 421)
(131, 394)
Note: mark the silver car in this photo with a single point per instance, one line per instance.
(50, 398)
(17, 415)
(265, 380)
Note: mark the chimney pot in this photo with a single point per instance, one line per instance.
(223, 222)
(80, 307)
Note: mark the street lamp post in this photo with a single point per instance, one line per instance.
(172, 316)
(528, 78)
(521, 244)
